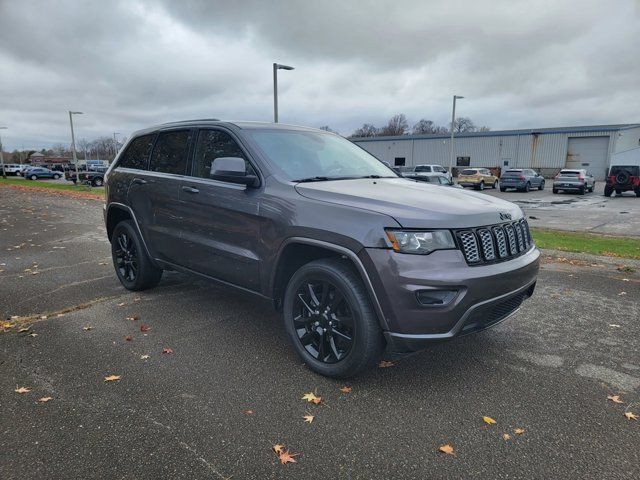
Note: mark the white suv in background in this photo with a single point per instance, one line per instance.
(13, 168)
(426, 169)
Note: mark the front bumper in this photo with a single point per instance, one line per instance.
(486, 294)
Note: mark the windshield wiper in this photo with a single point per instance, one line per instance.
(312, 179)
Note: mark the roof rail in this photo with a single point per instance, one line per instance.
(194, 120)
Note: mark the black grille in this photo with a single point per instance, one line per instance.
(486, 316)
(495, 242)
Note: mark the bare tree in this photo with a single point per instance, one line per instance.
(366, 130)
(327, 128)
(397, 125)
(428, 127)
(464, 124)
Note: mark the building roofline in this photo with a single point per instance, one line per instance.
(504, 133)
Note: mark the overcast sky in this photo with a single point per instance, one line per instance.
(129, 64)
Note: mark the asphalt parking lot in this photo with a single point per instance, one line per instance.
(548, 371)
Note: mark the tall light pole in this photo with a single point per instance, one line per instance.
(73, 144)
(276, 67)
(453, 121)
(4, 174)
(115, 144)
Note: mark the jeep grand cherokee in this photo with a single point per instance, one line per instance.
(358, 259)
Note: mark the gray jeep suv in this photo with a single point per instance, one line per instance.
(360, 261)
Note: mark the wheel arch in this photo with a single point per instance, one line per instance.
(297, 251)
(117, 212)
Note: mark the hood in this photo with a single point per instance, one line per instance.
(414, 204)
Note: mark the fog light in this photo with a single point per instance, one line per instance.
(436, 297)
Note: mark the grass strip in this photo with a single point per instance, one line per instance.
(595, 244)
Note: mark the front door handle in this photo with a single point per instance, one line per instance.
(190, 190)
(139, 181)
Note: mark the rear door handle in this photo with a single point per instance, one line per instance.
(139, 181)
(190, 190)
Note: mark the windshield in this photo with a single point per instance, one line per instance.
(320, 156)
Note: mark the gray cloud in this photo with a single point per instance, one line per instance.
(130, 64)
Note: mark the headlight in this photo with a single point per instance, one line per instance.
(421, 242)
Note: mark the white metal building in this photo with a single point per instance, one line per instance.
(544, 149)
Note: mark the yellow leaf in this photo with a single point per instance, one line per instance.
(86, 328)
(23, 329)
(448, 449)
(488, 420)
(519, 431)
(308, 418)
(45, 399)
(629, 415)
(506, 436)
(311, 398)
(22, 390)
(614, 398)
(112, 378)
(346, 389)
(286, 457)
(386, 364)
(278, 448)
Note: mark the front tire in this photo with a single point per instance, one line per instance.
(130, 260)
(503, 189)
(608, 190)
(330, 320)
(481, 186)
(541, 187)
(495, 184)
(33, 177)
(56, 177)
(97, 182)
(527, 187)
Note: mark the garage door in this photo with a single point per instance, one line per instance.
(589, 153)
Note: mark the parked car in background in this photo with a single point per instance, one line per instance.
(438, 169)
(436, 179)
(574, 180)
(12, 169)
(95, 176)
(36, 173)
(623, 178)
(358, 260)
(522, 179)
(478, 178)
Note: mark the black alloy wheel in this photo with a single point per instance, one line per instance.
(126, 257)
(323, 320)
(130, 260)
(330, 319)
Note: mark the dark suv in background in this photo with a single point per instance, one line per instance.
(358, 259)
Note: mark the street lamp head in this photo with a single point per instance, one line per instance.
(3, 128)
(458, 96)
(75, 113)
(283, 67)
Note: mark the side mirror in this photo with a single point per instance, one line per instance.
(232, 170)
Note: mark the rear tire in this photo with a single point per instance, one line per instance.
(315, 340)
(541, 187)
(527, 187)
(503, 189)
(97, 182)
(637, 191)
(581, 191)
(33, 177)
(481, 186)
(130, 260)
(495, 184)
(555, 190)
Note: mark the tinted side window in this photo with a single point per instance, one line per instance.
(170, 152)
(137, 153)
(214, 144)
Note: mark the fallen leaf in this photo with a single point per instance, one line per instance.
(448, 449)
(144, 357)
(519, 431)
(629, 415)
(22, 390)
(121, 304)
(166, 350)
(144, 328)
(86, 328)
(286, 457)
(134, 318)
(308, 418)
(45, 399)
(311, 398)
(506, 436)
(622, 293)
(112, 378)
(278, 448)
(33, 334)
(128, 338)
(614, 398)
(24, 329)
(43, 317)
(625, 279)
(248, 412)
(346, 389)
(102, 263)
(614, 325)
(386, 364)
(488, 420)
